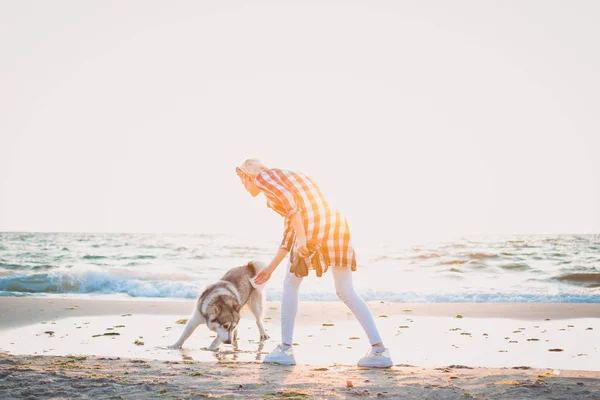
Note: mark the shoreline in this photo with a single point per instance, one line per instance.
(39, 309)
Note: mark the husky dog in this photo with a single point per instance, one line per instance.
(219, 306)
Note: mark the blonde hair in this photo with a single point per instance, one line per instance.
(250, 167)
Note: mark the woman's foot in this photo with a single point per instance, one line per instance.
(377, 357)
(283, 355)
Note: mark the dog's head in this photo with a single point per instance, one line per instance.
(223, 317)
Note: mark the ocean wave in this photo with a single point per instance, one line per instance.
(452, 297)
(591, 280)
(369, 296)
(13, 294)
(480, 256)
(27, 267)
(155, 285)
(386, 258)
(138, 257)
(453, 262)
(579, 269)
(80, 280)
(30, 254)
(14, 266)
(44, 267)
(476, 265)
(516, 267)
(428, 256)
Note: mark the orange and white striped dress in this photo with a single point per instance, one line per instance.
(289, 192)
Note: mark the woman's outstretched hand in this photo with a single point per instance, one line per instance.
(263, 276)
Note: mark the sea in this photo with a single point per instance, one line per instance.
(484, 269)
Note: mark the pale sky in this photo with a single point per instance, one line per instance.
(415, 117)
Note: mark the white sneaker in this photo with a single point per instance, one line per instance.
(280, 356)
(376, 360)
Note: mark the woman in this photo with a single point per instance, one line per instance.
(309, 219)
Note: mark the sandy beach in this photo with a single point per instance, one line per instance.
(86, 348)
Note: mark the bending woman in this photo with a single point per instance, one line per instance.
(309, 218)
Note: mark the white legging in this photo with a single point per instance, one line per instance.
(345, 291)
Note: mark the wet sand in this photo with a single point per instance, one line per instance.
(110, 348)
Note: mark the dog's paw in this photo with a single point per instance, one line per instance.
(264, 336)
(174, 346)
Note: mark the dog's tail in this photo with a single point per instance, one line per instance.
(254, 267)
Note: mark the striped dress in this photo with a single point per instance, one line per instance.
(289, 192)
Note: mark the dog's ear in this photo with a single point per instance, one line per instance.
(216, 310)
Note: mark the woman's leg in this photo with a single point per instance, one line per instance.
(289, 307)
(345, 291)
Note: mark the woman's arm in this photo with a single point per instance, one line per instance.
(300, 234)
(281, 253)
(266, 272)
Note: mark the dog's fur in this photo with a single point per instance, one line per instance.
(219, 306)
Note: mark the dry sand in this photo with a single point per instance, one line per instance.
(69, 348)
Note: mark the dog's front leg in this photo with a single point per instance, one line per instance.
(190, 327)
(235, 337)
(214, 346)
